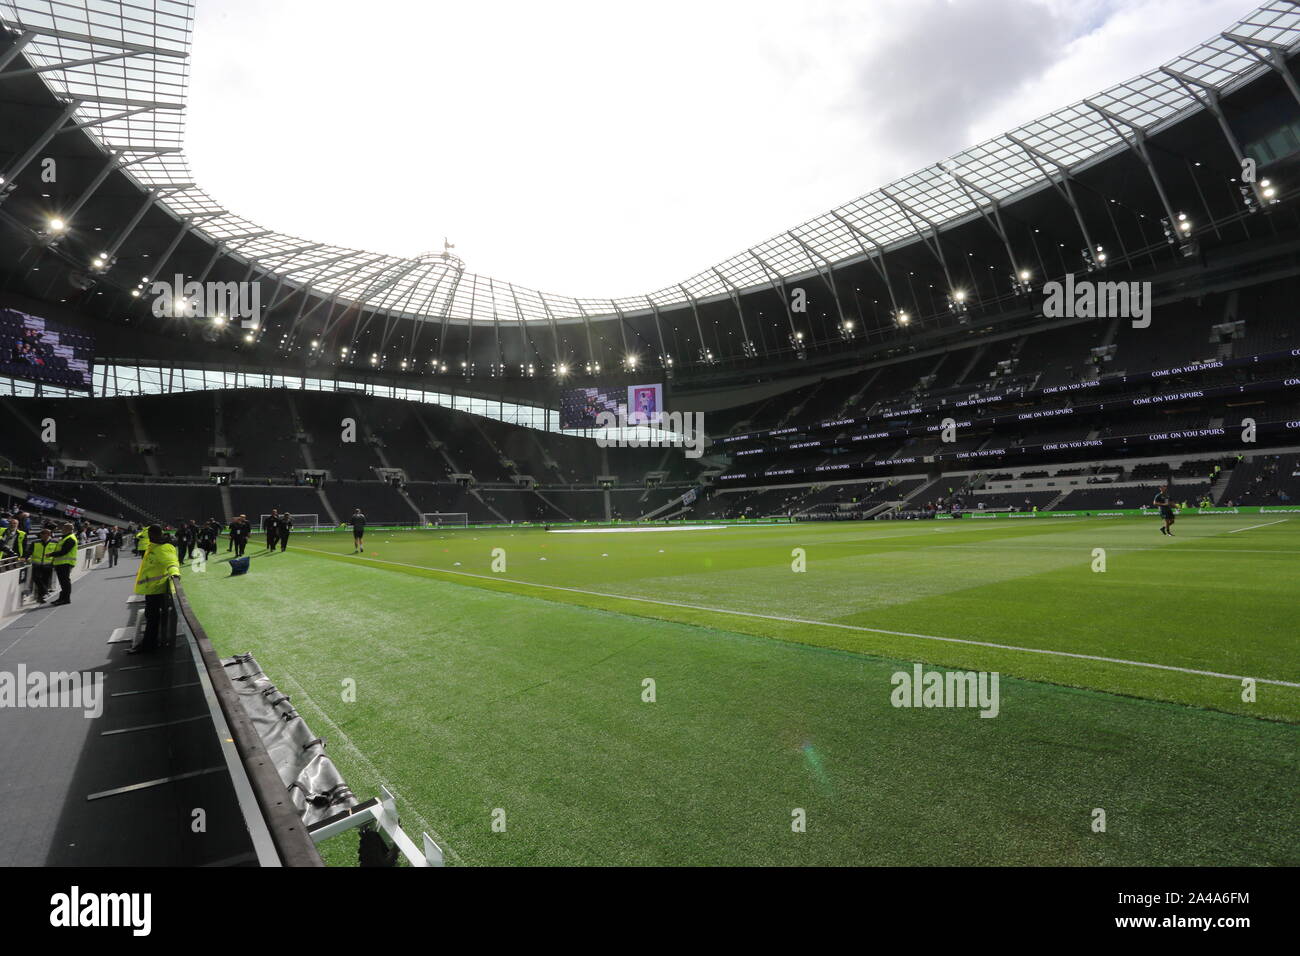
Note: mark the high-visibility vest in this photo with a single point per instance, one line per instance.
(43, 551)
(160, 563)
(71, 556)
(19, 542)
(142, 539)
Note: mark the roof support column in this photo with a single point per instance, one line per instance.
(931, 243)
(872, 257)
(1274, 59)
(21, 163)
(1214, 106)
(828, 275)
(1139, 146)
(778, 286)
(994, 221)
(734, 294)
(1063, 188)
(699, 329)
(149, 200)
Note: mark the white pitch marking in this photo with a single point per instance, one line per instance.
(374, 771)
(1254, 526)
(691, 527)
(844, 627)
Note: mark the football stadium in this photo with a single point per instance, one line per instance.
(956, 525)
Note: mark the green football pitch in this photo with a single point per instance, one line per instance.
(729, 696)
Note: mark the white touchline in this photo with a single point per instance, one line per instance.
(1254, 526)
(686, 527)
(374, 771)
(994, 549)
(844, 627)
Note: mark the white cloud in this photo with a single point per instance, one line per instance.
(599, 149)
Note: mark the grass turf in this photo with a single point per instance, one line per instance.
(521, 691)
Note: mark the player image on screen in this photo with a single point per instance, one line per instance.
(643, 400)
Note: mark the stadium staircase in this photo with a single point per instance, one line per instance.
(551, 504)
(658, 514)
(303, 446)
(852, 401)
(1220, 485)
(970, 366)
(218, 426)
(548, 462)
(920, 490)
(329, 508)
(141, 436)
(441, 447)
(478, 495)
(376, 444)
(128, 503)
(436, 444)
(220, 446)
(1051, 505)
(756, 415)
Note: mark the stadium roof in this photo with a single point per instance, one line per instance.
(121, 68)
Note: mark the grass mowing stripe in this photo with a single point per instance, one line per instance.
(795, 620)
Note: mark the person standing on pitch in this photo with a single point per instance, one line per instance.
(286, 525)
(208, 535)
(272, 528)
(64, 559)
(159, 566)
(358, 531)
(239, 531)
(1166, 510)
(113, 543)
(185, 537)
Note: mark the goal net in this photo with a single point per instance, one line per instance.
(444, 519)
(300, 523)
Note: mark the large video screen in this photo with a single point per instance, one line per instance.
(40, 350)
(634, 404)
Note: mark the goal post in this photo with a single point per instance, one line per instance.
(444, 519)
(309, 522)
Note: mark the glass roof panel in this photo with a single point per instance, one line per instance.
(127, 65)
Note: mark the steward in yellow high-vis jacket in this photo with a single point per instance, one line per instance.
(41, 556)
(64, 560)
(141, 540)
(159, 566)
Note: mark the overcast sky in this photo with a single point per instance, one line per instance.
(609, 148)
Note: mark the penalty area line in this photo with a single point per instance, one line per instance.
(844, 627)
